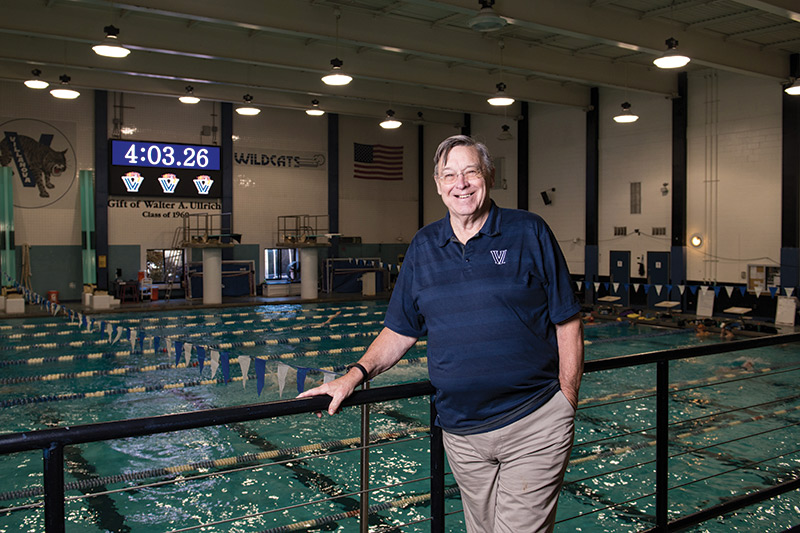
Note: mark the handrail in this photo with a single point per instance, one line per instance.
(137, 427)
(52, 440)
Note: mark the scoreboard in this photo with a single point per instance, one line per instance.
(142, 168)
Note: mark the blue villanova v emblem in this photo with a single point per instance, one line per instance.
(499, 256)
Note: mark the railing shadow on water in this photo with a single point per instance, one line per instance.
(52, 441)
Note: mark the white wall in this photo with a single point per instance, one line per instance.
(54, 220)
(636, 152)
(557, 160)
(377, 210)
(262, 193)
(734, 174)
(734, 171)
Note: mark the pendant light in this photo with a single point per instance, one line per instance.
(36, 82)
(189, 97)
(314, 110)
(626, 116)
(248, 109)
(63, 90)
(336, 76)
(390, 123)
(505, 135)
(671, 58)
(500, 98)
(793, 89)
(111, 46)
(486, 20)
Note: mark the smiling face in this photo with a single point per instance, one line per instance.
(466, 198)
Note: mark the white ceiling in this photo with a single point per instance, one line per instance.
(415, 56)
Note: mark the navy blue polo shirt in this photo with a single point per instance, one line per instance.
(489, 309)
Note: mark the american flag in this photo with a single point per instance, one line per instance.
(377, 162)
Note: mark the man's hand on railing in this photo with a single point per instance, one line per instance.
(338, 389)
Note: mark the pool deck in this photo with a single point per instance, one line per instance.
(176, 304)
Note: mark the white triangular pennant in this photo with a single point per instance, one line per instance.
(616, 286)
(758, 290)
(681, 288)
(658, 289)
(283, 370)
(596, 286)
(214, 356)
(789, 291)
(244, 364)
(636, 287)
(729, 290)
(187, 353)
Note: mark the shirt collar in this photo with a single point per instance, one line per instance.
(490, 228)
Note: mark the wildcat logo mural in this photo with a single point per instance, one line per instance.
(39, 155)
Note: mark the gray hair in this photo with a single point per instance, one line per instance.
(487, 165)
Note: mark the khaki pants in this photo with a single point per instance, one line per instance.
(510, 478)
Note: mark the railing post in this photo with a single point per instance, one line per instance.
(54, 488)
(662, 445)
(437, 474)
(364, 514)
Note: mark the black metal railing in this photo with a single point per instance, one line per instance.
(52, 441)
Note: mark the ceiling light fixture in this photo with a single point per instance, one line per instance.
(671, 58)
(500, 98)
(793, 89)
(505, 135)
(390, 123)
(486, 19)
(111, 46)
(626, 116)
(36, 82)
(696, 240)
(337, 76)
(189, 97)
(63, 91)
(248, 109)
(314, 110)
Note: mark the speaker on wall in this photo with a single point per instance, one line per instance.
(546, 197)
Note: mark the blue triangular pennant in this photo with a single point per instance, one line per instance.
(261, 369)
(224, 364)
(301, 379)
(178, 345)
(201, 356)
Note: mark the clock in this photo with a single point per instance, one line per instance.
(146, 168)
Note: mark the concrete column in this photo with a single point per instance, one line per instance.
(309, 274)
(212, 275)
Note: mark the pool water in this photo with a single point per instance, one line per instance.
(210, 479)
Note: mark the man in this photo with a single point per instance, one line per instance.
(491, 290)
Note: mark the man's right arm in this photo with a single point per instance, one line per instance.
(384, 352)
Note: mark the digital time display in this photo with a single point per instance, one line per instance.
(145, 168)
(164, 155)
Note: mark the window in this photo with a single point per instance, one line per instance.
(281, 263)
(165, 265)
(636, 197)
(620, 231)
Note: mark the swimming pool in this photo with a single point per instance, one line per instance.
(60, 374)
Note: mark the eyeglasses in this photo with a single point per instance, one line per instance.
(471, 174)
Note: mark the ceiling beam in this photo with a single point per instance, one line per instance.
(783, 8)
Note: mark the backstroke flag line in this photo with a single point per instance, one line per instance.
(377, 162)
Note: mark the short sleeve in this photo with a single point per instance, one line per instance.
(403, 314)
